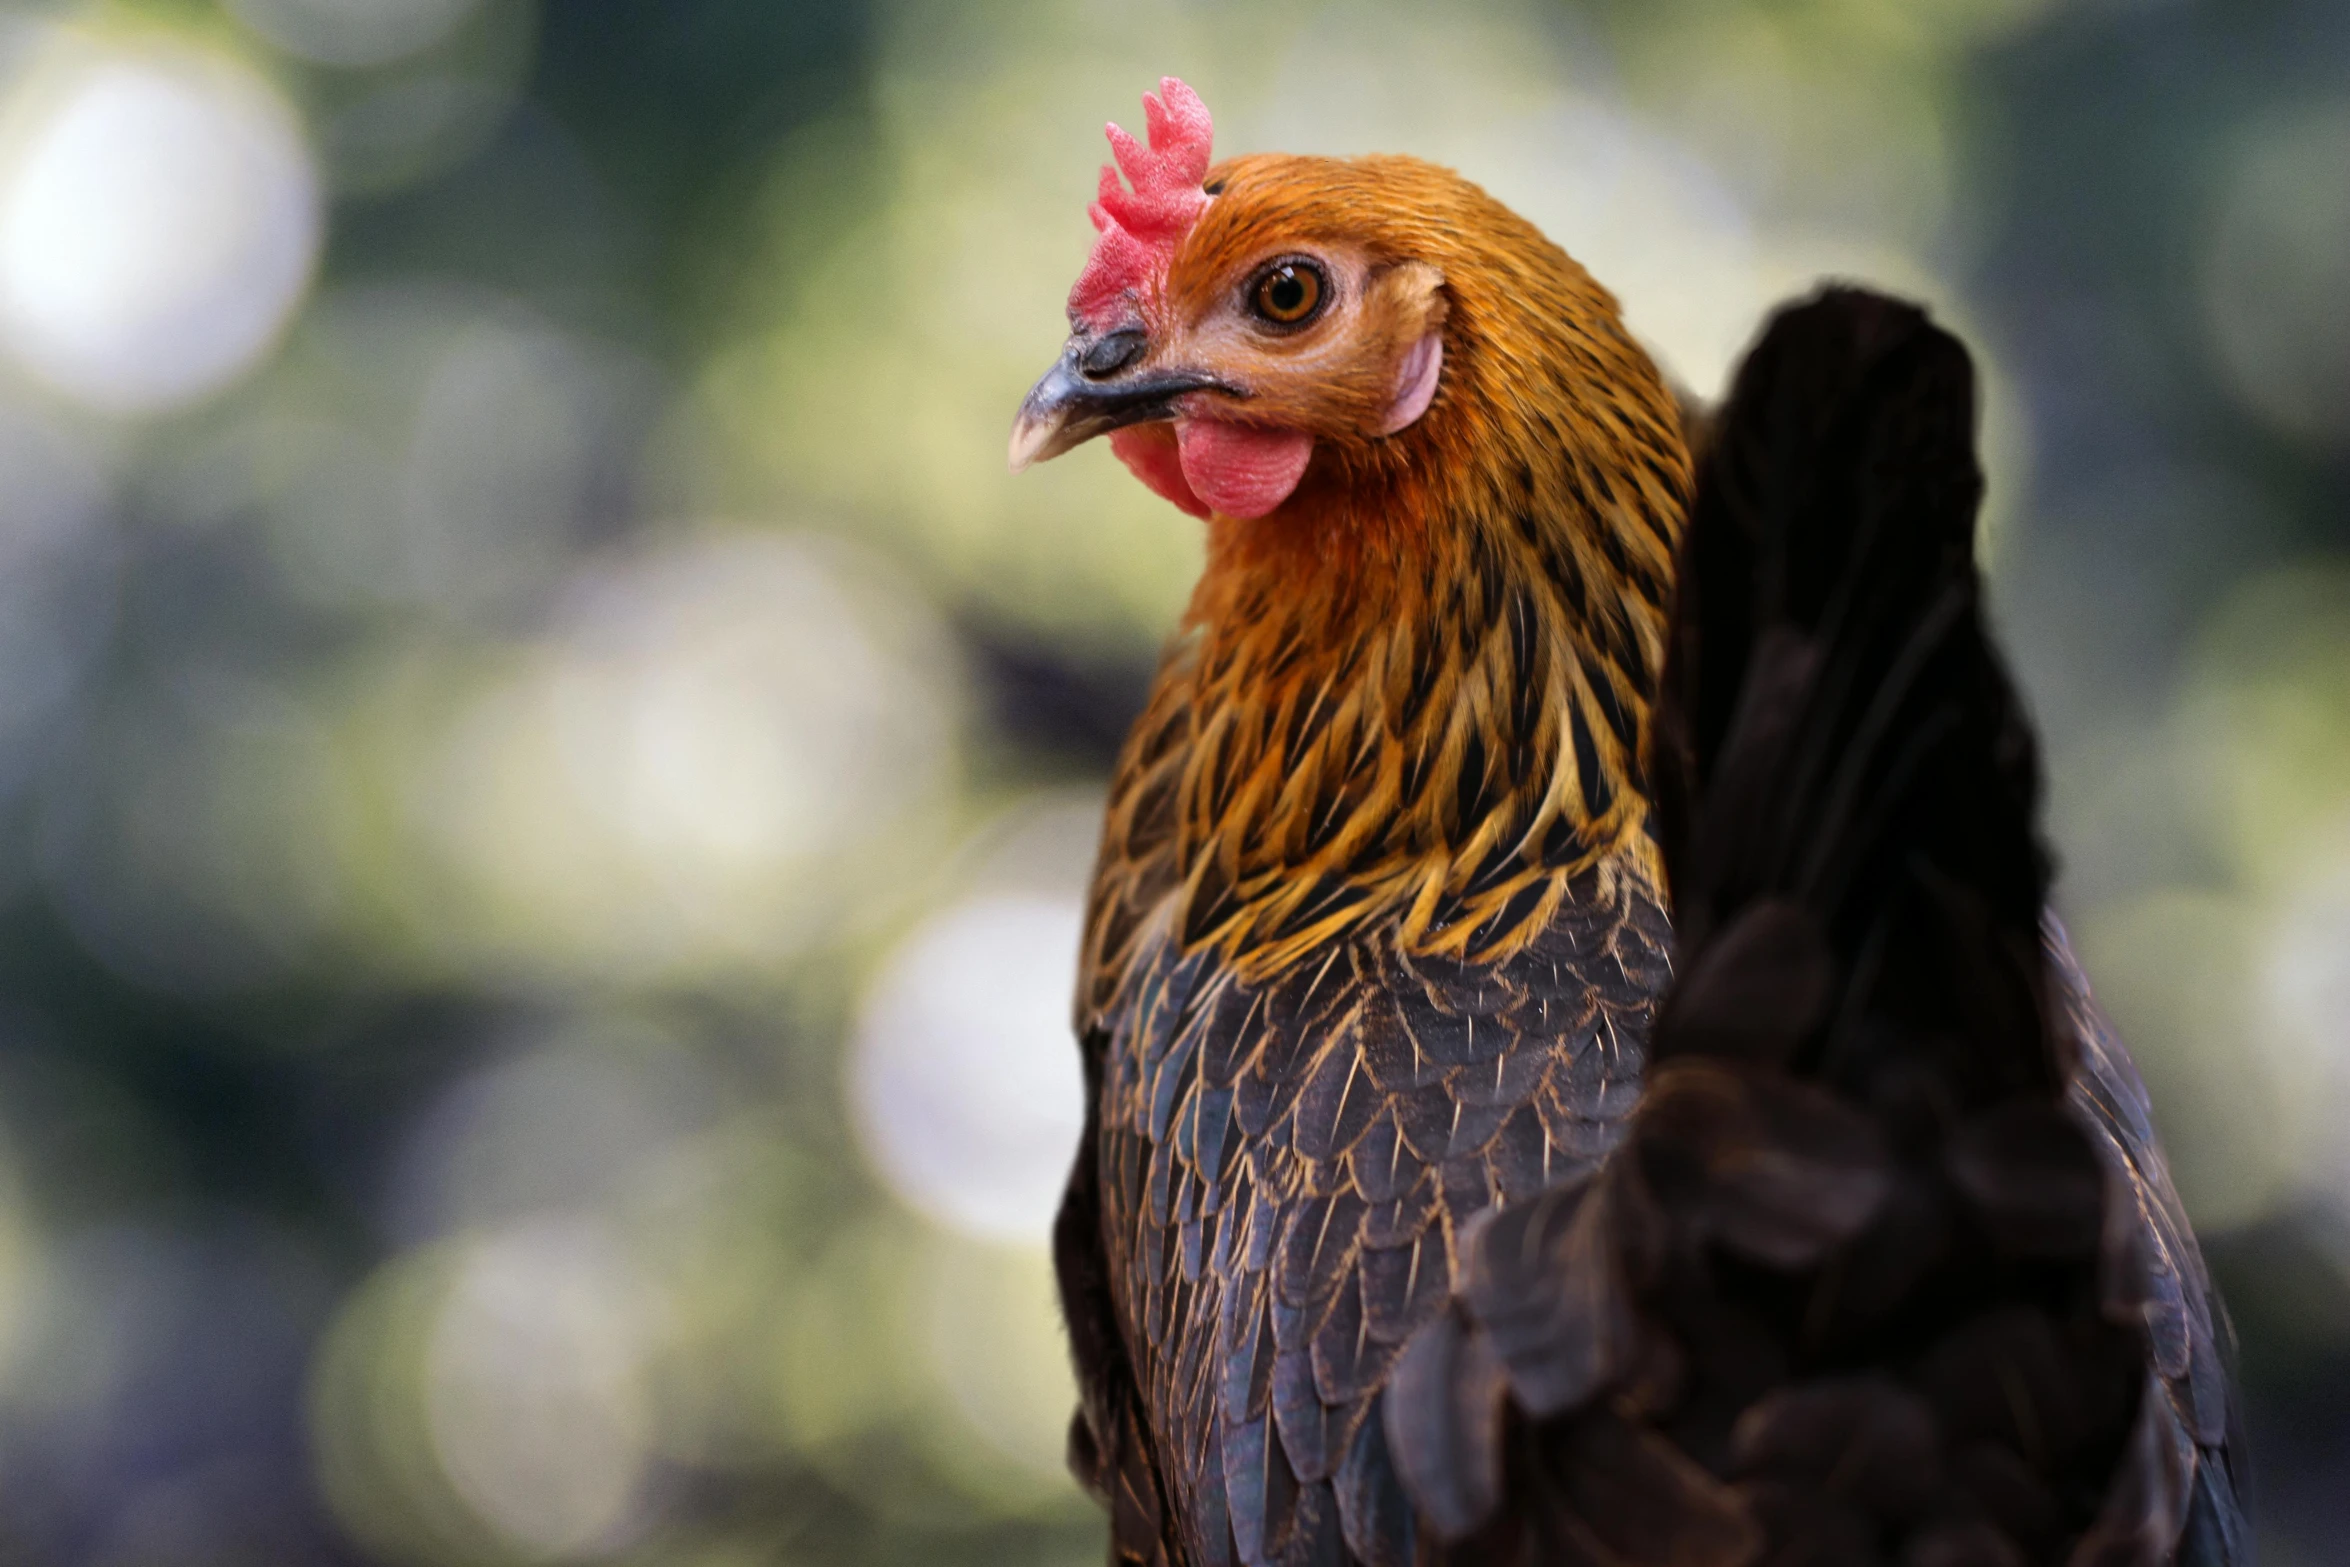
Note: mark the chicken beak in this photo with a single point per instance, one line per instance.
(1099, 384)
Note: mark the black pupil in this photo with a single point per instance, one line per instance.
(1287, 292)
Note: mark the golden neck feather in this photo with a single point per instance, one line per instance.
(1421, 689)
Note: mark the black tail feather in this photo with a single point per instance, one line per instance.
(1841, 755)
(1852, 1216)
(1834, 719)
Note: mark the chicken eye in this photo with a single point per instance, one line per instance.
(1290, 293)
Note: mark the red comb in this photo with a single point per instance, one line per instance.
(1141, 227)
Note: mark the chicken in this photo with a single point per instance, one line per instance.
(1421, 1214)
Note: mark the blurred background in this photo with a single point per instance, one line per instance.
(546, 769)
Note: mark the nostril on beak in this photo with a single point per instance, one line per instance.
(1112, 352)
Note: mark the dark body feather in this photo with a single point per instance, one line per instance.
(1350, 1272)
(1290, 1166)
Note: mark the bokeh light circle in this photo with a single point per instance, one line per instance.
(491, 1398)
(705, 761)
(535, 1388)
(966, 1083)
(159, 222)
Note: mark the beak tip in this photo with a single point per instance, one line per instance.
(1028, 438)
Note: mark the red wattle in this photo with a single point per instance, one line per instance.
(1240, 471)
(1148, 451)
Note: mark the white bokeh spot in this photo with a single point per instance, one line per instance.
(965, 1083)
(536, 1389)
(159, 222)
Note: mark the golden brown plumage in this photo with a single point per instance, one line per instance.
(1417, 690)
(1376, 905)
(1377, 932)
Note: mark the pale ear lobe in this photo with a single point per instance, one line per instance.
(1416, 290)
(1415, 382)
